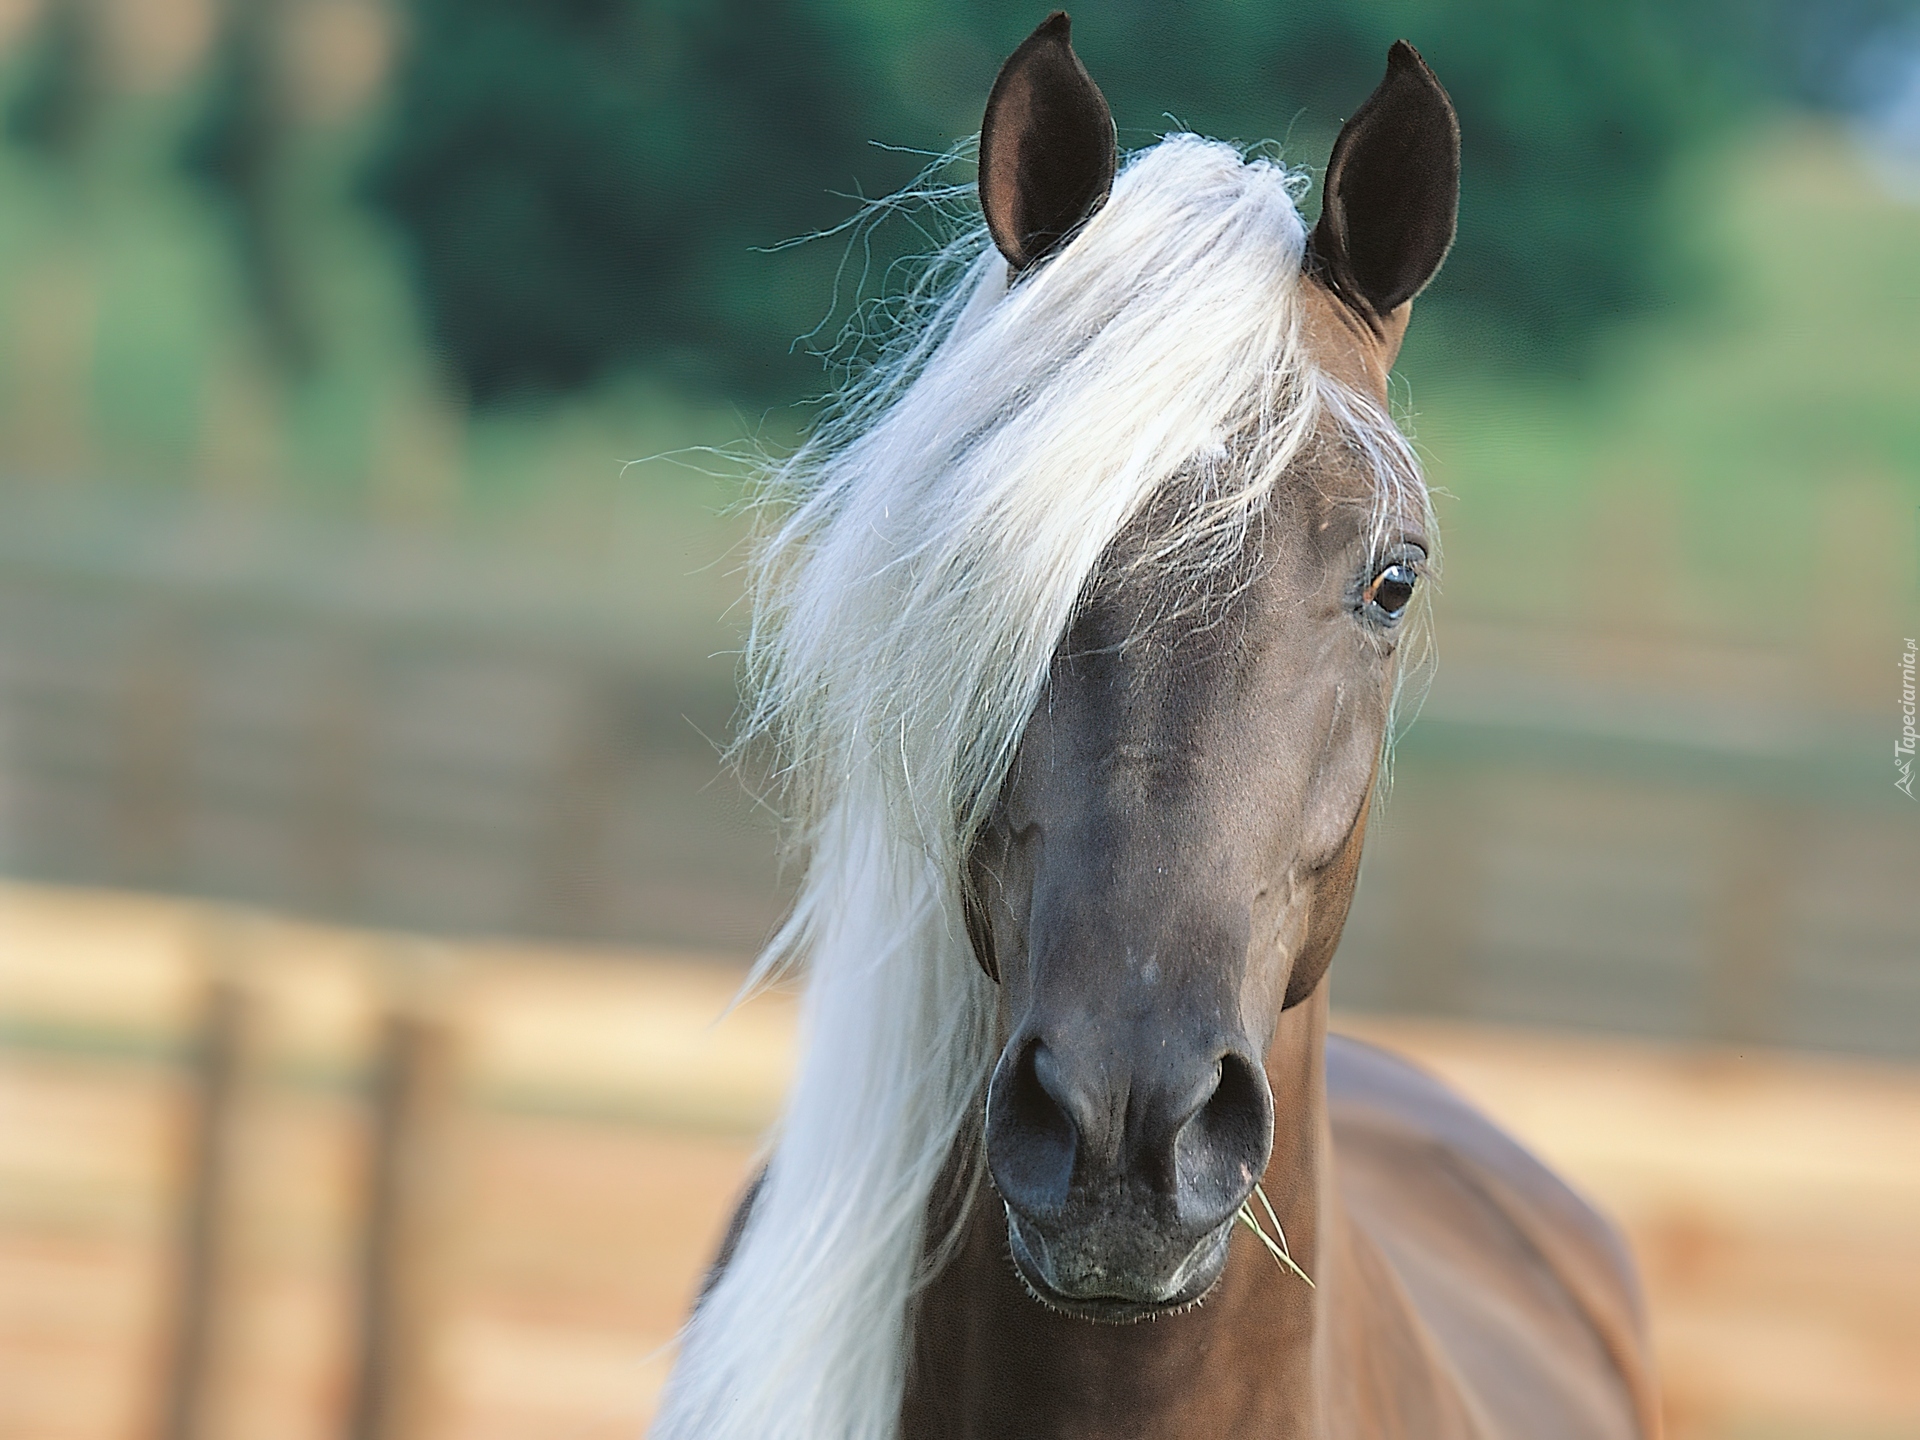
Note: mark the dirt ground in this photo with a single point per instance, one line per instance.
(605, 1124)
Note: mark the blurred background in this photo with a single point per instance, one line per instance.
(379, 381)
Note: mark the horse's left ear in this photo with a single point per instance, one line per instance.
(1393, 191)
(1047, 148)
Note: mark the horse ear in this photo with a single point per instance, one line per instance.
(1047, 149)
(1393, 190)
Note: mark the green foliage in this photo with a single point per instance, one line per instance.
(238, 150)
(584, 183)
(52, 104)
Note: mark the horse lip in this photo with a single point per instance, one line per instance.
(1197, 1273)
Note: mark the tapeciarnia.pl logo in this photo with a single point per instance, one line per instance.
(1903, 747)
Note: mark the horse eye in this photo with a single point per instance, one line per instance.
(1391, 589)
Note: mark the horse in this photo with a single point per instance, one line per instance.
(1079, 633)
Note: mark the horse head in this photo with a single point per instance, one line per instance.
(1077, 635)
(1169, 861)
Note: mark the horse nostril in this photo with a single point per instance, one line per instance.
(1221, 1151)
(1031, 1137)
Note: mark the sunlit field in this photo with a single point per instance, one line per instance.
(603, 1125)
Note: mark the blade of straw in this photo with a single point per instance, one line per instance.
(1278, 1250)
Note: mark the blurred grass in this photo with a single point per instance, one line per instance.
(1759, 451)
(1764, 456)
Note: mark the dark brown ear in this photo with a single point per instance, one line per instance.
(1392, 192)
(1047, 150)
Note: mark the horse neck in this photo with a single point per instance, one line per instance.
(1264, 1354)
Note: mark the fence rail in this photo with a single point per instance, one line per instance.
(1559, 846)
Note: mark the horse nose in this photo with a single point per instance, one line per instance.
(1190, 1133)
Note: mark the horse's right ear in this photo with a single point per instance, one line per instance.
(1047, 148)
(1393, 191)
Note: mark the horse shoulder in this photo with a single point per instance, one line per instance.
(1524, 1287)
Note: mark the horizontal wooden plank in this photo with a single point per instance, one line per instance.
(1773, 1198)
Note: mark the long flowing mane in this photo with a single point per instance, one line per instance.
(938, 531)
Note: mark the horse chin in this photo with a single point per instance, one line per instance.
(1110, 1297)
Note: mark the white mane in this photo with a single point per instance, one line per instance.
(941, 531)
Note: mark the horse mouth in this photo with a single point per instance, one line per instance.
(1115, 1296)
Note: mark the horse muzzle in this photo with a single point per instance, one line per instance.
(1121, 1181)
(1087, 1275)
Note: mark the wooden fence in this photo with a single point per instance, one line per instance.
(374, 758)
(1563, 844)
